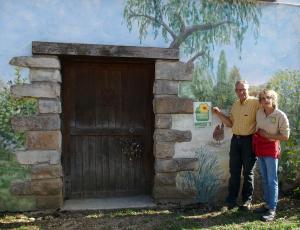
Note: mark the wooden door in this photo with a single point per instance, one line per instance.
(107, 128)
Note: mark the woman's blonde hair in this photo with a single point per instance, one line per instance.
(269, 93)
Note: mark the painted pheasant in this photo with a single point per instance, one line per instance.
(218, 133)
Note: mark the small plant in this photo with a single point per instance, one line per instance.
(206, 180)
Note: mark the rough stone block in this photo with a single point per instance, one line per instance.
(166, 87)
(176, 165)
(173, 70)
(37, 90)
(49, 202)
(163, 121)
(20, 187)
(173, 105)
(45, 171)
(51, 75)
(171, 135)
(46, 187)
(49, 106)
(165, 179)
(36, 123)
(164, 150)
(36, 62)
(38, 157)
(43, 140)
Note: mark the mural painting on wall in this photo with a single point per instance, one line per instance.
(258, 42)
(207, 33)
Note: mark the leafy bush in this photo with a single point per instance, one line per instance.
(9, 107)
(286, 83)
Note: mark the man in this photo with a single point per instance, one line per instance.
(241, 156)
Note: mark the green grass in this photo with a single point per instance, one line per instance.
(161, 218)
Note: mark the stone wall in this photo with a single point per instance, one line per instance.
(42, 153)
(168, 75)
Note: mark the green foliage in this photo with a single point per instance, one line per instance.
(202, 85)
(224, 94)
(10, 169)
(222, 68)
(205, 88)
(206, 180)
(9, 107)
(286, 83)
(194, 26)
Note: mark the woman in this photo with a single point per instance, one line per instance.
(272, 127)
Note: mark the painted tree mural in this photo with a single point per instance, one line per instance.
(224, 94)
(195, 27)
(206, 87)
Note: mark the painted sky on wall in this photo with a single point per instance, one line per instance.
(101, 22)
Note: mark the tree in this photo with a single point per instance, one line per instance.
(233, 76)
(221, 87)
(222, 69)
(202, 85)
(224, 94)
(194, 26)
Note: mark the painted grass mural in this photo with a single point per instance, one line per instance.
(206, 180)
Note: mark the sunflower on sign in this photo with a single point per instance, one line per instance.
(203, 108)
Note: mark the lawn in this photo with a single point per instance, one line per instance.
(161, 218)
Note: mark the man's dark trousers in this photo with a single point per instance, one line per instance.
(241, 157)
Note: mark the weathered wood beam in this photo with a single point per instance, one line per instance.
(53, 48)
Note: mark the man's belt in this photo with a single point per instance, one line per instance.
(241, 136)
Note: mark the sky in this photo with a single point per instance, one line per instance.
(276, 48)
(101, 22)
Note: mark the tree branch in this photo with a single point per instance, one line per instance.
(191, 29)
(174, 36)
(192, 59)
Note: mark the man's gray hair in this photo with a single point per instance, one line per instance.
(244, 82)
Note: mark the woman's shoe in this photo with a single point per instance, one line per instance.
(269, 216)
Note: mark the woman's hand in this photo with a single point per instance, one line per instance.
(263, 133)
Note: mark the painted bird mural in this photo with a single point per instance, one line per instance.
(218, 133)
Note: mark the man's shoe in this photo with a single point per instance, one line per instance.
(262, 210)
(246, 206)
(269, 216)
(228, 206)
(231, 205)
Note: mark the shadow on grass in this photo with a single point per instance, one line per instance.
(161, 218)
